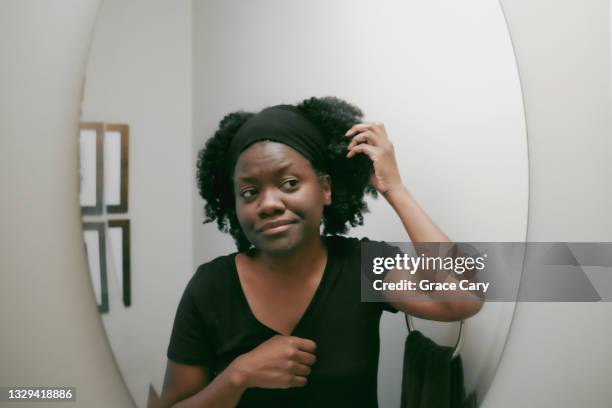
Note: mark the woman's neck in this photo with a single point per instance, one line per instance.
(298, 264)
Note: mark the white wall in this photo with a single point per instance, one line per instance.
(442, 77)
(557, 354)
(139, 73)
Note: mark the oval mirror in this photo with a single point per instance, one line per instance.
(441, 76)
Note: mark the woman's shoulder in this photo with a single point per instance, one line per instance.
(346, 245)
(212, 275)
(219, 263)
(353, 244)
(341, 240)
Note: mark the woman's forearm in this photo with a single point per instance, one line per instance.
(421, 228)
(418, 225)
(224, 391)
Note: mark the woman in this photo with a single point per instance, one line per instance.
(281, 322)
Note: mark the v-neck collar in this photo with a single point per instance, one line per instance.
(311, 305)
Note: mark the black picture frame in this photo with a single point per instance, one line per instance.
(101, 270)
(97, 166)
(125, 259)
(124, 131)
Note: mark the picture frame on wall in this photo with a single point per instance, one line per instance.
(95, 250)
(116, 169)
(119, 243)
(91, 188)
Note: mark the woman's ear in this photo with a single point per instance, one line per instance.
(326, 183)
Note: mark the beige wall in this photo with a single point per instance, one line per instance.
(51, 333)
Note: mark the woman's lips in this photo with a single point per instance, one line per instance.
(276, 228)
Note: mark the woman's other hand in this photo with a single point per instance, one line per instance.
(279, 362)
(372, 140)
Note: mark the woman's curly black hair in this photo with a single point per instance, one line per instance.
(350, 177)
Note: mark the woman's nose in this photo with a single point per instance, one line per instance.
(270, 203)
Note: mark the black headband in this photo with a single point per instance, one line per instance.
(284, 124)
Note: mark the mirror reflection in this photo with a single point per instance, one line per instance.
(429, 93)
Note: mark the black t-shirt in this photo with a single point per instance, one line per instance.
(214, 324)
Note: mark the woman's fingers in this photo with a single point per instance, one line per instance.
(360, 127)
(378, 128)
(301, 369)
(364, 137)
(369, 150)
(305, 358)
(302, 344)
(279, 362)
(297, 381)
(298, 373)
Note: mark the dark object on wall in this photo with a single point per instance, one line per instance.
(95, 248)
(91, 168)
(432, 378)
(122, 153)
(125, 258)
(104, 175)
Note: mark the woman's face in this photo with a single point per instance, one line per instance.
(279, 198)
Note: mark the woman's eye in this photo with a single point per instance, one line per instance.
(291, 184)
(247, 193)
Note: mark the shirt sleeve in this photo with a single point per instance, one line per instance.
(190, 341)
(378, 248)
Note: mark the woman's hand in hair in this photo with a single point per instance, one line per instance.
(371, 139)
(279, 362)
